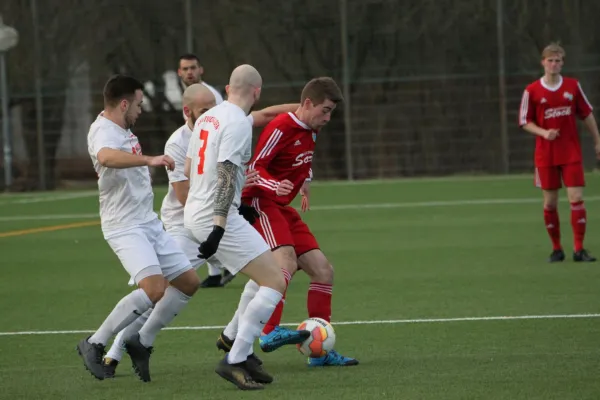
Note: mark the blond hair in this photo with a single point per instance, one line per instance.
(553, 49)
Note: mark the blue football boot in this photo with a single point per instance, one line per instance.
(332, 358)
(281, 336)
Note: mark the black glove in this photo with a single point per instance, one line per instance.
(209, 247)
(248, 212)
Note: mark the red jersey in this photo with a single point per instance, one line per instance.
(284, 151)
(555, 108)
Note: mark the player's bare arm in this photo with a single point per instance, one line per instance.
(187, 167)
(305, 193)
(549, 134)
(181, 189)
(266, 115)
(225, 191)
(592, 127)
(112, 158)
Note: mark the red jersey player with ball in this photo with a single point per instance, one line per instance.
(549, 108)
(283, 159)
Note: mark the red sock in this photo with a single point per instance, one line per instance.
(275, 319)
(553, 227)
(318, 301)
(578, 223)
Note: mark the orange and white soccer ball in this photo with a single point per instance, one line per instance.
(321, 339)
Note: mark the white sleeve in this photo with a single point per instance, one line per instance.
(190, 150)
(234, 142)
(104, 138)
(218, 97)
(251, 119)
(177, 153)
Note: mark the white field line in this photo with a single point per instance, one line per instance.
(33, 197)
(371, 322)
(49, 198)
(333, 207)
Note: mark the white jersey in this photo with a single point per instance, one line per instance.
(223, 133)
(218, 97)
(126, 197)
(171, 212)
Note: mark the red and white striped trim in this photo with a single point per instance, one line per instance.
(265, 225)
(524, 108)
(270, 184)
(269, 146)
(321, 287)
(286, 275)
(584, 96)
(297, 120)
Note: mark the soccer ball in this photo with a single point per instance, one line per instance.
(321, 339)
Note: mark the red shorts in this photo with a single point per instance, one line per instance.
(282, 226)
(549, 178)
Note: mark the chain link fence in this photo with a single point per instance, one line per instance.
(433, 87)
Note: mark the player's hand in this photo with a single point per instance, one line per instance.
(284, 188)
(252, 178)
(209, 247)
(551, 134)
(248, 212)
(305, 193)
(597, 148)
(162, 161)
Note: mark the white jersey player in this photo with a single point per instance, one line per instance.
(133, 230)
(190, 72)
(220, 147)
(197, 99)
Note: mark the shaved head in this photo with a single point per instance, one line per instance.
(197, 99)
(245, 77)
(244, 87)
(197, 94)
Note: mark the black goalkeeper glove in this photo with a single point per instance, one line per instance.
(248, 212)
(209, 247)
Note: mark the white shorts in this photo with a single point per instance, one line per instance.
(187, 243)
(148, 245)
(240, 244)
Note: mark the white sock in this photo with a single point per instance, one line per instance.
(248, 294)
(125, 312)
(252, 321)
(118, 347)
(165, 310)
(212, 270)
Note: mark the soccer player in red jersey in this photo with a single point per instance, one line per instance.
(283, 159)
(549, 108)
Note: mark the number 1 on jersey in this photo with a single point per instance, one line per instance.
(203, 139)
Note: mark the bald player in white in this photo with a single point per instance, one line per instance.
(220, 148)
(197, 99)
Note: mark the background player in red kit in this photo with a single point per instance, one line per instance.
(283, 159)
(549, 108)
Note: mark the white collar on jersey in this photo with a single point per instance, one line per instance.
(296, 120)
(551, 88)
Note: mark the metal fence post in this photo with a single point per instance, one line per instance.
(346, 91)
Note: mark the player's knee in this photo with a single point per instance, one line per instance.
(323, 273)
(575, 196)
(550, 199)
(274, 279)
(187, 283)
(278, 283)
(154, 290)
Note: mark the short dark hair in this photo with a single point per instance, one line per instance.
(188, 57)
(320, 89)
(120, 87)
